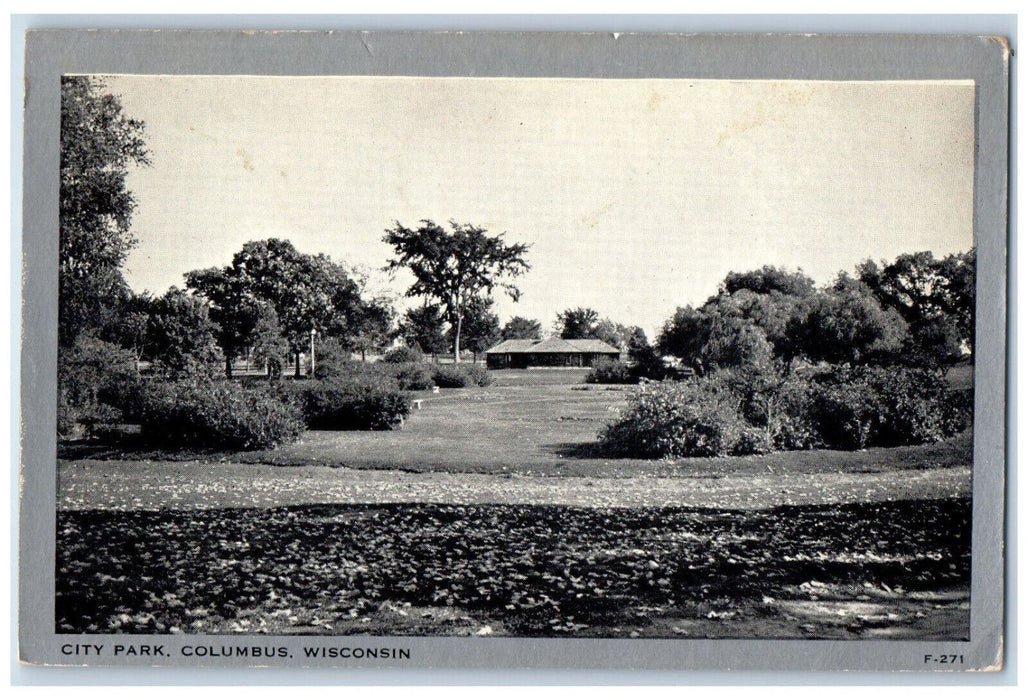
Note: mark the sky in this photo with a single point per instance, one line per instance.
(636, 196)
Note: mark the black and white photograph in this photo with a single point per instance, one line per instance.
(515, 357)
(353, 359)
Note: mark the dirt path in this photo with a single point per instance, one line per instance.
(136, 485)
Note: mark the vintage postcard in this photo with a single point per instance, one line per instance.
(513, 350)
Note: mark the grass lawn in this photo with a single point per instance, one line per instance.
(538, 423)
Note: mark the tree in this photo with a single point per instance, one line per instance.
(735, 342)
(614, 334)
(373, 329)
(309, 293)
(480, 326)
(644, 357)
(129, 331)
(181, 335)
(268, 345)
(745, 323)
(234, 309)
(768, 280)
(422, 327)
(577, 323)
(846, 324)
(95, 381)
(685, 334)
(935, 297)
(99, 144)
(520, 328)
(959, 272)
(457, 266)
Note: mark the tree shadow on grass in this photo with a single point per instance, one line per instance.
(535, 569)
(577, 450)
(130, 445)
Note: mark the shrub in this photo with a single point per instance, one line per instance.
(403, 355)
(220, 414)
(414, 377)
(449, 376)
(752, 441)
(885, 407)
(345, 369)
(912, 405)
(68, 424)
(458, 376)
(365, 402)
(332, 360)
(958, 410)
(754, 410)
(773, 400)
(478, 375)
(98, 387)
(611, 372)
(793, 426)
(843, 409)
(681, 419)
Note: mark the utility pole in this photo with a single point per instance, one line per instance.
(313, 333)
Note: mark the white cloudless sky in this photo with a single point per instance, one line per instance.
(636, 196)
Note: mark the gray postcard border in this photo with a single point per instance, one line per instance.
(50, 54)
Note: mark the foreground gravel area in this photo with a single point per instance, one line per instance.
(146, 485)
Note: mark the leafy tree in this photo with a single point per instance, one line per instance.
(577, 323)
(520, 328)
(95, 382)
(959, 273)
(615, 334)
(933, 343)
(768, 280)
(847, 324)
(770, 312)
(455, 267)
(685, 334)
(746, 323)
(234, 309)
(422, 327)
(480, 326)
(373, 326)
(646, 361)
(268, 345)
(936, 297)
(734, 342)
(372, 329)
(181, 335)
(129, 331)
(638, 344)
(99, 144)
(308, 293)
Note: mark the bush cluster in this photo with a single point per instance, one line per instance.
(611, 372)
(884, 407)
(99, 388)
(681, 419)
(362, 402)
(459, 376)
(414, 377)
(333, 360)
(215, 413)
(222, 414)
(737, 412)
(403, 355)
